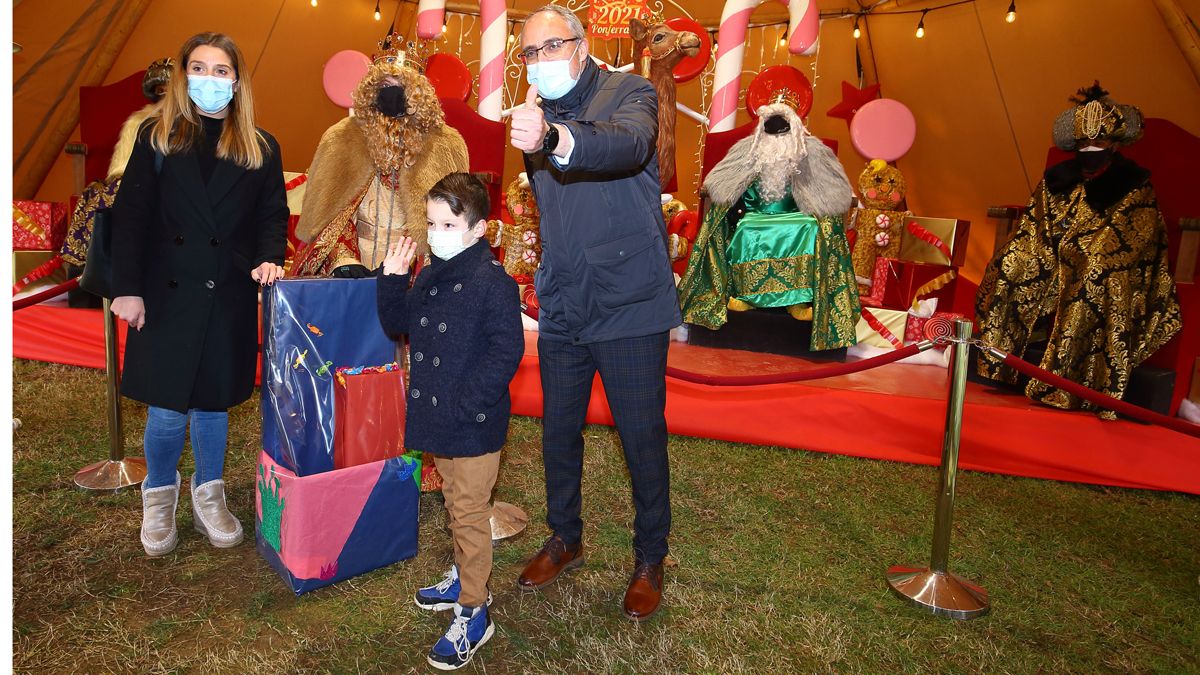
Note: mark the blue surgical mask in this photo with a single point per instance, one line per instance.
(553, 78)
(210, 94)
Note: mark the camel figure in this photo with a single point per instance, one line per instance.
(667, 48)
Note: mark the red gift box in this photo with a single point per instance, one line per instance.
(879, 281)
(368, 415)
(38, 226)
(898, 284)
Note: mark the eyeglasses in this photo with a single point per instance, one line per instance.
(551, 48)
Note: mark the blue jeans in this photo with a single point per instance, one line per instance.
(165, 433)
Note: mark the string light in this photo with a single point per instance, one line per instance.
(378, 16)
(1012, 12)
(921, 24)
(783, 38)
(314, 3)
(857, 32)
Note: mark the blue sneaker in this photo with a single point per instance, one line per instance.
(444, 594)
(468, 631)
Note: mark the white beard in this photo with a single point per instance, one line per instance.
(775, 161)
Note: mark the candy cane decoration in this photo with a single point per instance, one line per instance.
(803, 27)
(492, 47)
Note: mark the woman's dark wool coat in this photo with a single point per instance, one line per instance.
(187, 248)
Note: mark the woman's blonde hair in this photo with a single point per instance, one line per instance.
(176, 125)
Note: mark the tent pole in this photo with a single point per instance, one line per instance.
(26, 181)
(1183, 31)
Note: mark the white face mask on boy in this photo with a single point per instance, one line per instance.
(446, 244)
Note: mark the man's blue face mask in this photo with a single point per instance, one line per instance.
(553, 78)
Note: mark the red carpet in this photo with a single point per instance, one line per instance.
(895, 412)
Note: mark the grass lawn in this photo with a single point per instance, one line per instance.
(778, 566)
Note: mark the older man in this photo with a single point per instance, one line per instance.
(605, 288)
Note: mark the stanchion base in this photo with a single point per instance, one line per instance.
(112, 475)
(942, 593)
(507, 521)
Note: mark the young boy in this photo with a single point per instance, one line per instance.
(463, 320)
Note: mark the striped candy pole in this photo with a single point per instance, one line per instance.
(431, 14)
(493, 48)
(803, 25)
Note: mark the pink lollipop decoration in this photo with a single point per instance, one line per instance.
(883, 129)
(343, 71)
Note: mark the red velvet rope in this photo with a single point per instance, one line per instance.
(1103, 400)
(797, 376)
(69, 284)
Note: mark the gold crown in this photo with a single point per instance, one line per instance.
(409, 54)
(787, 97)
(653, 18)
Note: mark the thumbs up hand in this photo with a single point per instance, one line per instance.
(528, 124)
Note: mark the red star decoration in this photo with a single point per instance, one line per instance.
(853, 98)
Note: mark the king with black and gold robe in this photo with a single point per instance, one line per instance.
(1086, 271)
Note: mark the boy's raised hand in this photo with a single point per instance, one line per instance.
(399, 256)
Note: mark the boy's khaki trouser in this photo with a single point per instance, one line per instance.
(467, 484)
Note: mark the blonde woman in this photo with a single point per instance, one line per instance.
(200, 222)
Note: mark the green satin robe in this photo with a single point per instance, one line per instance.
(775, 257)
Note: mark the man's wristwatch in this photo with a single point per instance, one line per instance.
(550, 142)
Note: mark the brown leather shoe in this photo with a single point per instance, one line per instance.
(555, 558)
(644, 594)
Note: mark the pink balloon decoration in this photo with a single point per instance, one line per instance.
(343, 71)
(883, 129)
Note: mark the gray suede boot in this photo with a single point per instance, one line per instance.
(159, 535)
(211, 515)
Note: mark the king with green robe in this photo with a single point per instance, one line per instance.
(772, 234)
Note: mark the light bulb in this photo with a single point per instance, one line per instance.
(857, 32)
(921, 25)
(1012, 12)
(378, 16)
(783, 42)
(443, 29)
(314, 3)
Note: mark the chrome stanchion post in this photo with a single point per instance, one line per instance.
(935, 588)
(118, 471)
